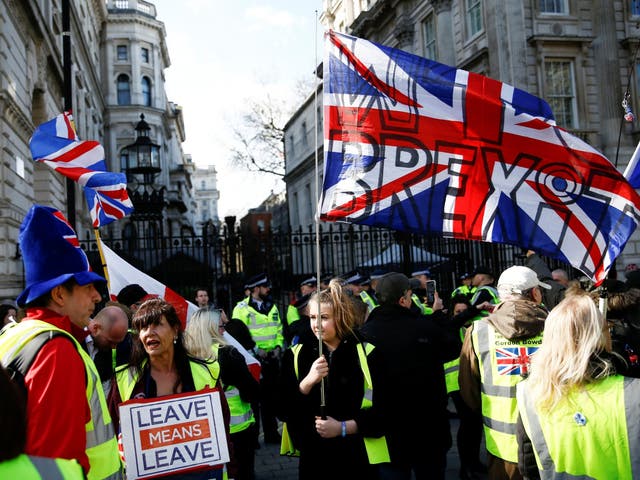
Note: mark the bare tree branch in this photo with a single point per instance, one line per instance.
(260, 137)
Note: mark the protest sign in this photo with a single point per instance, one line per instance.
(173, 434)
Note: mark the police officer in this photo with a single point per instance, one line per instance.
(465, 290)
(260, 314)
(307, 287)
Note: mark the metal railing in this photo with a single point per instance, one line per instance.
(221, 260)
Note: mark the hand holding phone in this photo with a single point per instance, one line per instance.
(431, 292)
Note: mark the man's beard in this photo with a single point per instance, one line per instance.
(264, 297)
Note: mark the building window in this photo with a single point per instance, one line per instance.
(20, 167)
(560, 91)
(635, 7)
(144, 53)
(303, 133)
(292, 149)
(123, 53)
(295, 221)
(429, 33)
(554, 6)
(124, 90)
(146, 91)
(474, 17)
(203, 185)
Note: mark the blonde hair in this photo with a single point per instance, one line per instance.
(202, 332)
(571, 352)
(345, 315)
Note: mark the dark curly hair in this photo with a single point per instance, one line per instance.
(151, 313)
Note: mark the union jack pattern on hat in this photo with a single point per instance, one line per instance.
(51, 254)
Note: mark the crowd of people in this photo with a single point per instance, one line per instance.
(356, 379)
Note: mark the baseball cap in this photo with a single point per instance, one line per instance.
(519, 279)
(391, 287)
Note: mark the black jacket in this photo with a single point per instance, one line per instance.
(409, 392)
(338, 457)
(234, 371)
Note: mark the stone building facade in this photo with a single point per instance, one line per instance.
(205, 187)
(118, 57)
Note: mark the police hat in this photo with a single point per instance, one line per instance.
(259, 280)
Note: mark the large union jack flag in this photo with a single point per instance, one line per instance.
(56, 144)
(415, 145)
(514, 360)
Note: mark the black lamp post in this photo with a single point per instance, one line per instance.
(142, 156)
(141, 162)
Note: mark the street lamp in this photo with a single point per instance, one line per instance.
(143, 156)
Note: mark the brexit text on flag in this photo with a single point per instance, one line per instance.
(122, 273)
(415, 145)
(56, 144)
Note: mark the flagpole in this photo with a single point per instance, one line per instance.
(626, 103)
(317, 216)
(68, 101)
(103, 262)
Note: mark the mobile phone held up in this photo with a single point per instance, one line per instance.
(431, 292)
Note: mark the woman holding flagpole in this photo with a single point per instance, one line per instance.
(342, 429)
(161, 365)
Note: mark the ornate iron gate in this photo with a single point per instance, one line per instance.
(221, 260)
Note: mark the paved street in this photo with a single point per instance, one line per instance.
(270, 465)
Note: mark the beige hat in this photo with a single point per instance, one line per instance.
(518, 279)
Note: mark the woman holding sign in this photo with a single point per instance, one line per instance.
(340, 432)
(171, 439)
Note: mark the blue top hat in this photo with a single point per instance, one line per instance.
(51, 254)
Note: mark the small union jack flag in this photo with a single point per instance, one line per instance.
(56, 144)
(514, 360)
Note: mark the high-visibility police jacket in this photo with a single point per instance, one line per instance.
(495, 298)
(451, 369)
(593, 433)
(266, 330)
(368, 300)
(500, 372)
(422, 308)
(28, 467)
(101, 446)
(292, 314)
(241, 413)
(464, 291)
(376, 448)
(204, 375)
